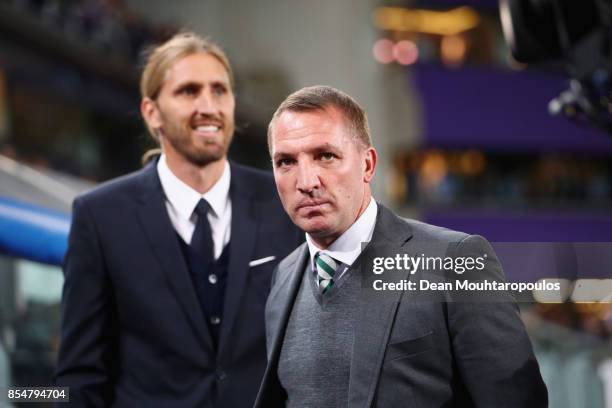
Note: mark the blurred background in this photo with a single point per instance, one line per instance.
(464, 131)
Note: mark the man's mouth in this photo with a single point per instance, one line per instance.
(207, 128)
(310, 205)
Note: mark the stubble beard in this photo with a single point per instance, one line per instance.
(199, 155)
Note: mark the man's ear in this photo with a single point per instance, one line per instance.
(150, 113)
(371, 158)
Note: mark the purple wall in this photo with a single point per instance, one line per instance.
(549, 226)
(499, 110)
(545, 244)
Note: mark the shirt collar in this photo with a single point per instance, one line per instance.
(347, 247)
(184, 198)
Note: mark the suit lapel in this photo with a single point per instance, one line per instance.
(158, 229)
(283, 297)
(245, 223)
(278, 310)
(375, 315)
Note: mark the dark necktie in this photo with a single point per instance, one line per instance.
(203, 266)
(201, 240)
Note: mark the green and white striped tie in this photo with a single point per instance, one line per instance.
(326, 268)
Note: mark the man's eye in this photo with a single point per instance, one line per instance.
(284, 162)
(327, 156)
(220, 90)
(189, 90)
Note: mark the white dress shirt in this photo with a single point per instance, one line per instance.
(181, 201)
(347, 247)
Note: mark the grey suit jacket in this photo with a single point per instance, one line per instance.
(427, 352)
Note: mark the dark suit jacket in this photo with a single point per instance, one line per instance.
(133, 332)
(428, 352)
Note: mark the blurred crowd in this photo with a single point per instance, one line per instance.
(108, 25)
(464, 177)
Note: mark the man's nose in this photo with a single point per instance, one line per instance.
(308, 177)
(206, 103)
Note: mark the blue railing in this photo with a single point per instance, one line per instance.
(33, 232)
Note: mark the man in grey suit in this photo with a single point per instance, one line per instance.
(332, 340)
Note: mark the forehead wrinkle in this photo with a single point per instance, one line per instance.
(198, 80)
(316, 147)
(295, 126)
(220, 78)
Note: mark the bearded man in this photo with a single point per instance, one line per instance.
(168, 269)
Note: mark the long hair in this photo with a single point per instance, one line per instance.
(160, 58)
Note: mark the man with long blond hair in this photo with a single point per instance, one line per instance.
(168, 269)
